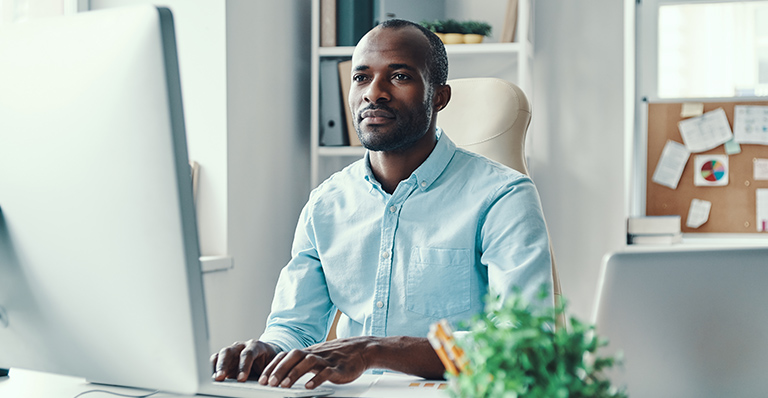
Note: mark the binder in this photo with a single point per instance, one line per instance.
(327, 23)
(345, 77)
(332, 131)
(354, 18)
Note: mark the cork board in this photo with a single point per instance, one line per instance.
(733, 206)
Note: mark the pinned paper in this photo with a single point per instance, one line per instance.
(762, 210)
(698, 213)
(750, 124)
(760, 169)
(674, 156)
(732, 147)
(691, 109)
(705, 132)
(710, 171)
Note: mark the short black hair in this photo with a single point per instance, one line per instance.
(437, 62)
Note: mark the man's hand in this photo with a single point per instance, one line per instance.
(242, 361)
(344, 360)
(338, 361)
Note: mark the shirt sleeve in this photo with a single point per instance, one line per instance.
(301, 307)
(515, 244)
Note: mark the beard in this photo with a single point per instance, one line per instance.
(410, 126)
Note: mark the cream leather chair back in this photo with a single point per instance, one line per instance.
(490, 117)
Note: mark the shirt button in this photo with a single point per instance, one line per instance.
(380, 304)
(423, 184)
(385, 254)
(393, 209)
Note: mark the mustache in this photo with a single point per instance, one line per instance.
(374, 107)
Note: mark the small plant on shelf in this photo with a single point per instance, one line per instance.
(452, 31)
(515, 351)
(477, 28)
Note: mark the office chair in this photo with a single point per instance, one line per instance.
(490, 117)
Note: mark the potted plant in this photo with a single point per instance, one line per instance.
(474, 31)
(514, 351)
(453, 31)
(435, 27)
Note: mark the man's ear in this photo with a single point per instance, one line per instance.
(441, 98)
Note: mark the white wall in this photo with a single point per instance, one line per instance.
(201, 45)
(578, 147)
(268, 82)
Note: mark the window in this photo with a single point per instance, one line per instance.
(695, 49)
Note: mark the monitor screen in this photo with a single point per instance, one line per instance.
(99, 259)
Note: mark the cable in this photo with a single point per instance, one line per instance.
(118, 394)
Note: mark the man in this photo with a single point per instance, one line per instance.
(416, 231)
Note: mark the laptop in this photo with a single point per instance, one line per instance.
(689, 323)
(99, 259)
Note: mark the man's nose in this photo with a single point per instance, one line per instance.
(377, 91)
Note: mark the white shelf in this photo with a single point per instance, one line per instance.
(451, 49)
(356, 151)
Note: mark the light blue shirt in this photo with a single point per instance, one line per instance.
(394, 264)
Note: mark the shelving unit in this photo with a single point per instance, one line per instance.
(509, 61)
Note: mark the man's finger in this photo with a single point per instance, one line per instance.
(281, 369)
(320, 378)
(247, 356)
(214, 358)
(264, 378)
(228, 360)
(309, 362)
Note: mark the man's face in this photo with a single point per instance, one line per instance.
(390, 97)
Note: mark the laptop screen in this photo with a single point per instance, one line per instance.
(690, 323)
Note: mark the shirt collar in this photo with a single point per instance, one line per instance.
(430, 169)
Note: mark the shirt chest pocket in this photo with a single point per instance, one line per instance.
(439, 282)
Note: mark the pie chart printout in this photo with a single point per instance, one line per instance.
(713, 171)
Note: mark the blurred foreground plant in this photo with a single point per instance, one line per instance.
(515, 351)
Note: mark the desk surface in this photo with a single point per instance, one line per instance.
(30, 384)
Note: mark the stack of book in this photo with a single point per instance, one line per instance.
(654, 230)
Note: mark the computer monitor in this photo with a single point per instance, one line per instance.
(99, 259)
(689, 322)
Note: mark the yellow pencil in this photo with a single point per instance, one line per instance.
(444, 333)
(440, 350)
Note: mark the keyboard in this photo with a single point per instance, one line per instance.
(297, 390)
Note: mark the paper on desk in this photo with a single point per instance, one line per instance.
(671, 164)
(390, 385)
(760, 171)
(750, 124)
(690, 109)
(698, 213)
(762, 209)
(706, 131)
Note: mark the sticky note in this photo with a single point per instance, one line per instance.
(671, 164)
(760, 171)
(698, 213)
(691, 109)
(732, 147)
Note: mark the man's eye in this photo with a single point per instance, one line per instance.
(400, 76)
(358, 78)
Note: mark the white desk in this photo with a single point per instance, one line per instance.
(30, 384)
